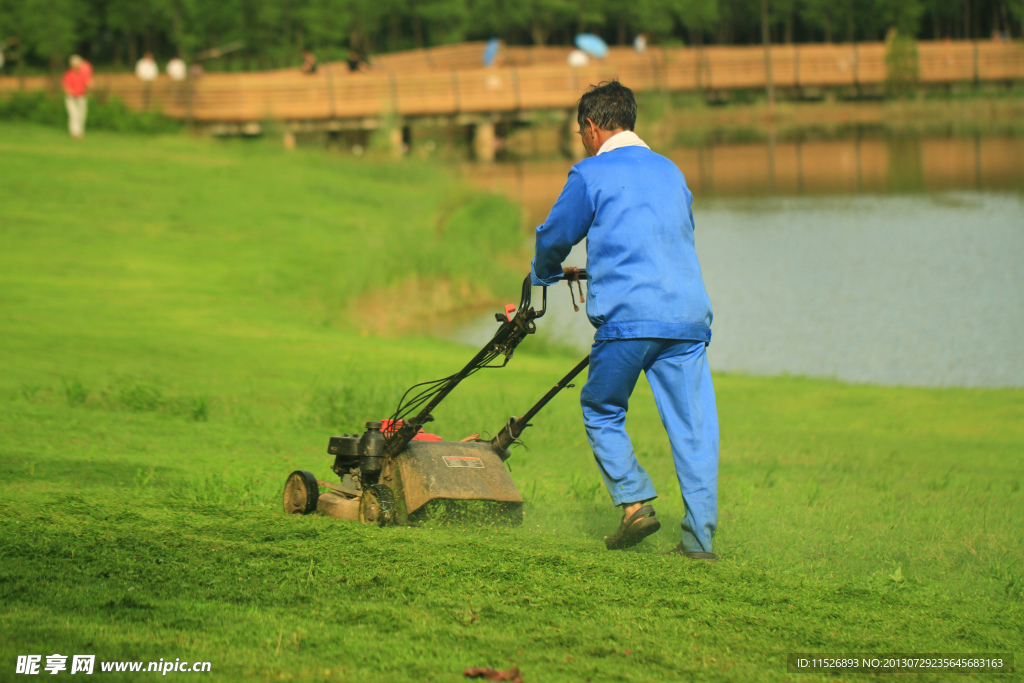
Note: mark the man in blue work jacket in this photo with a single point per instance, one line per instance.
(647, 301)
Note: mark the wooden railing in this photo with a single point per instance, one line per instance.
(452, 80)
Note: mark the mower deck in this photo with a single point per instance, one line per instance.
(424, 473)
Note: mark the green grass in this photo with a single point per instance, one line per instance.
(180, 329)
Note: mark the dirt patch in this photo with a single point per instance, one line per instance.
(415, 305)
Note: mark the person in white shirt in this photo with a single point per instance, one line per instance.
(146, 68)
(176, 69)
(578, 58)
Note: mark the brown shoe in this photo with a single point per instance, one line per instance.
(639, 526)
(692, 554)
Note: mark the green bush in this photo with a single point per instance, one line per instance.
(114, 115)
(107, 114)
(32, 106)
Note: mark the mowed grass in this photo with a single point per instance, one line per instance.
(179, 330)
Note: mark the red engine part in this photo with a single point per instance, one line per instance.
(388, 429)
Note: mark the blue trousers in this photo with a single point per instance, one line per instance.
(679, 375)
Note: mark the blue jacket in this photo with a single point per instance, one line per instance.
(633, 207)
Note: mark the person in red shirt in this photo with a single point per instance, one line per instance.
(86, 69)
(77, 80)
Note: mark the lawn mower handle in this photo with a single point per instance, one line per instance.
(515, 426)
(513, 329)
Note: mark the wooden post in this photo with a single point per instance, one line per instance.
(515, 80)
(796, 68)
(856, 68)
(976, 74)
(456, 95)
(483, 141)
(329, 76)
(572, 142)
(767, 40)
(395, 141)
(190, 94)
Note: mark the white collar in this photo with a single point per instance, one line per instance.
(626, 138)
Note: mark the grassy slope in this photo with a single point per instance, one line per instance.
(171, 349)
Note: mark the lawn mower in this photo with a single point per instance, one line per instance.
(395, 473)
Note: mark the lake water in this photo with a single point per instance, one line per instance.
(920, 288)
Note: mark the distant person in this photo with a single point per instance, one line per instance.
(76, 89)
(176, 69)
(640, 43)
(86, 69)
(578, 58)
(651, 314)
(4, 44)
(146, 68)
(355, 61)
(491, 51)
(309, 63)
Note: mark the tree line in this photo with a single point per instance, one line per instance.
(257, 34)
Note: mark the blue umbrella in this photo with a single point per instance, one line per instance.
(491, 51)
(592, 45)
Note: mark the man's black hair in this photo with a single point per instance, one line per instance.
(609, 105)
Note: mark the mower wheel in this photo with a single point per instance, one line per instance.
(377, 505)
(301, 493)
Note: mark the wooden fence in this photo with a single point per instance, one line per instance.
(452, 80)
